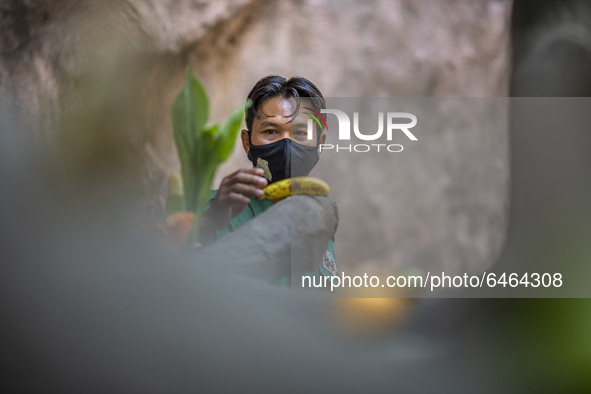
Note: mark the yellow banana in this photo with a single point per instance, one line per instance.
(298, 185)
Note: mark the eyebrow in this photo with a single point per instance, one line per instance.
(268, 123)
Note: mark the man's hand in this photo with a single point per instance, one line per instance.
(233, 196)
(236, 191)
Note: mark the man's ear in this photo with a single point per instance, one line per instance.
(321, 141)
(245, 140)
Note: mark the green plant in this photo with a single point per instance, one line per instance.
(201, 148)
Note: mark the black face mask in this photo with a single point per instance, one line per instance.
(283, 159)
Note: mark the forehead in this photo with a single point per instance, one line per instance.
(281, 108)
(277, 107)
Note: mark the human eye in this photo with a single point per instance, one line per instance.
(300, 134)
(269, 131)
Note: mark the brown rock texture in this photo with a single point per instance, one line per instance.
(116, 66)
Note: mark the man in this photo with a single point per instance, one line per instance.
(277, 142)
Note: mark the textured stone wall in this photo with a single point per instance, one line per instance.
(125, 60)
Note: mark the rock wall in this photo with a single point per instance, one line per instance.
(116, 66)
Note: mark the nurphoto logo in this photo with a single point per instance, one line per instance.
(393, 125)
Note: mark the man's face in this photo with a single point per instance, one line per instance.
(275, 122)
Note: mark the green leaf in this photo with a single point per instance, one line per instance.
(205, 151)
(190, 110)
(189, 114)
(229, 132)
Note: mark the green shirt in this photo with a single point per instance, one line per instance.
(326, 267)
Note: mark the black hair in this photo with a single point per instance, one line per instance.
(277, 86)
